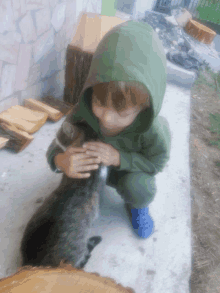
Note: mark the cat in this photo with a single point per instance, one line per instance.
(60, 228)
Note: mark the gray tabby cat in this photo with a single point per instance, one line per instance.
(60, 228)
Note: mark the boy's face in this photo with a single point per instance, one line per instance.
(112, 122)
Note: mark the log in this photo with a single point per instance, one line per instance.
(24, 118)
(65, 278)
(52, 113)
(200, 32)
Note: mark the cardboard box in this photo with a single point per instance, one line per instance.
(183, 19)
(91, 28)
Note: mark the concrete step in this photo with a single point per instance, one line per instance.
(178, 75)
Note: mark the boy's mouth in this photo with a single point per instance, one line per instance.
(107, 131)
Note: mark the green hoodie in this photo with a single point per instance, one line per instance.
(132, 51)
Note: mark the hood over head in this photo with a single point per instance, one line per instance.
(131, 51)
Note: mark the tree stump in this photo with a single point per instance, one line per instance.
(65, 278)
(200, 32)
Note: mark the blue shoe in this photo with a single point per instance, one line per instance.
(141, 220)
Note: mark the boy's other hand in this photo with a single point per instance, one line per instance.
(106, 152)
(75, 161)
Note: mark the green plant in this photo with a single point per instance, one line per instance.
(215, 127)
(217, 81)
(209, 10)
(213, 1)
(203, 80)
(213, 118)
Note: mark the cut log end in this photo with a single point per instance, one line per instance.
(200, 32)
(64, 278)
(17, 139)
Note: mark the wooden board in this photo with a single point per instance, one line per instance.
(52, 113)
(24, 118)
(200, 32)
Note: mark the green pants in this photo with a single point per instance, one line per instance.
(137, 188)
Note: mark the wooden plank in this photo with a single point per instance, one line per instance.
(24, 118)
(52, 113)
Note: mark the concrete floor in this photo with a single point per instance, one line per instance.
(161, 263)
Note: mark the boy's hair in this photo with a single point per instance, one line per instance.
(124, 94)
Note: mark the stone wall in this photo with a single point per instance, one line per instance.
(34, 35)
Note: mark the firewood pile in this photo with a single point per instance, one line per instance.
(18, 123)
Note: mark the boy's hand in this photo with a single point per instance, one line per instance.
(75, 161)
(106, 152)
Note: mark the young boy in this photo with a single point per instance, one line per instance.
(121, 100)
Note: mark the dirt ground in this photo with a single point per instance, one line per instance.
(205, 182)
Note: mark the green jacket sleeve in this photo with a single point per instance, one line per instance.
(155, 151)
(64, 138)
(52, 151)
